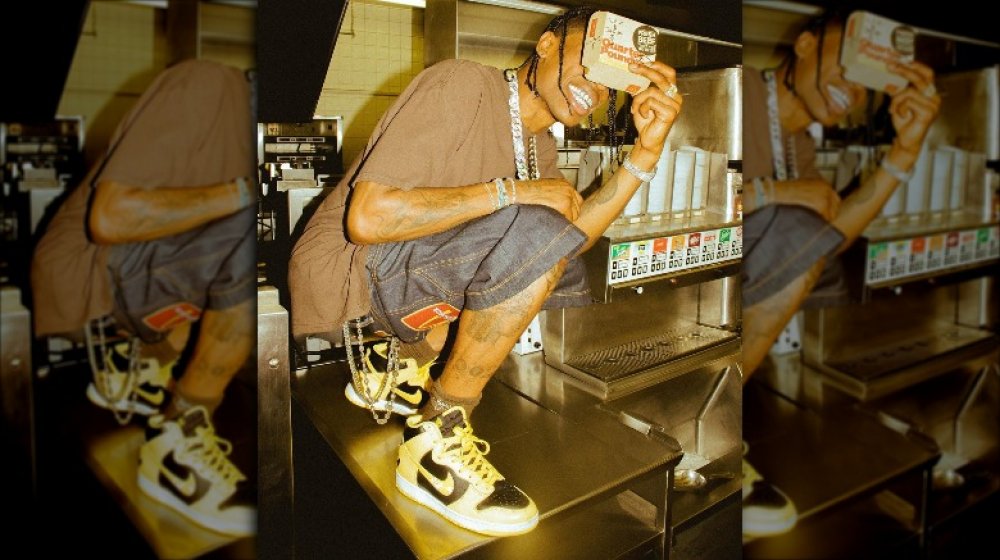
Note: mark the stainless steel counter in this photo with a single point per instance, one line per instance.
(822, 459)
(586, 461)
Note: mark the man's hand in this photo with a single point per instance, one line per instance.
(557, 194)
(913, 110)
(653, 111)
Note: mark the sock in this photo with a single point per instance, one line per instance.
(181, 403)
(440, 401)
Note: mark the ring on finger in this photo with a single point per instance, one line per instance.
(929, 91)
(671, 91)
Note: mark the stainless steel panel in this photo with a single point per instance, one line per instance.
(971, 117)
(16, 389)
(583, 330)
(852, 330)
(713, 112)
(275, 533)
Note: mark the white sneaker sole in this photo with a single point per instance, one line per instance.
(121, 406)
(380, 405)
(236, 529)
(424, 498)
(768, 528)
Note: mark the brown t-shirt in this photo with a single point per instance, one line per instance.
(758, 157)
(451, 127)
(191, 127)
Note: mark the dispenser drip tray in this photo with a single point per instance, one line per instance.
(625, 360)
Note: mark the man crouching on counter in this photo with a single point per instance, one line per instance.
(456, 210)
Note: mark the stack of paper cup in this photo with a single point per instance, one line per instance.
(941, 174)
(699, 183)
(684, 163)
(660, 188)
(959, 178)
(918, 188)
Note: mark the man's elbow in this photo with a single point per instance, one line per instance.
(359, 228)
(103, 219)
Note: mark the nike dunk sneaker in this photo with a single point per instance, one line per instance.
(767, 511)
(186, 467)
(115, 388)
(444, 467)
(411, 382)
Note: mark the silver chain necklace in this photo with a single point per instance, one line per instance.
(359, 376)
(784, 163)
(525, 168)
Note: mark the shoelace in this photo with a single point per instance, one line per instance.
(470, 452)
(214, 452)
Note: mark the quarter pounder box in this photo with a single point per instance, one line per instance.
(870, 43)
(611, 44)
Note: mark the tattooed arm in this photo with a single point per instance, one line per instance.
(653, 112)
(121, 213)
(606, 203)
(379, 213)
(913, 110)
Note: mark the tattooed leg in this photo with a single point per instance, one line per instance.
(764, 321)
(486, 336)
(224, 343)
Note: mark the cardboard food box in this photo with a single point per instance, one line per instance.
(611, 44)
(870, 43)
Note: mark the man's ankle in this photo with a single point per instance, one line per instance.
(440, 402)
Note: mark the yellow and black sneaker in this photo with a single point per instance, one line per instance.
(767, 511)
(186, 467)
(117, 388)
(412, 382)
(443, 466)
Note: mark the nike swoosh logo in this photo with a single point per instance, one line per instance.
(155, 398)
(412, 398)
(445, 486)
(186, 486)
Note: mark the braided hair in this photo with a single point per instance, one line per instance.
(574, 19)
(817, 26)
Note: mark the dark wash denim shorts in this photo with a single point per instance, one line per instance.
(163, 283)
(419, 284)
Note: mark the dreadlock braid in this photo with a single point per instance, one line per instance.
(561, 25)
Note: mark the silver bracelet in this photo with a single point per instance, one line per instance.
(513, 189)
(758, 193)
(243, 188)
(769, 189)
(899, 174)
(644, 176)
(502, 201)
(493, 199)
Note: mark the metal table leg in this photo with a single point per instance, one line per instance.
(276, 532)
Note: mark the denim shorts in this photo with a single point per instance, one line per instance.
(419, 284)
(163, 283)
(780, 243)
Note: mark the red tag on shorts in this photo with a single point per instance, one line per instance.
(172, 316)
(431, 316)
